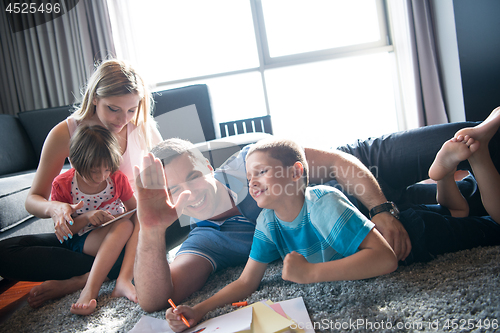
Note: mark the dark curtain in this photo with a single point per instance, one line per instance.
(47, 64)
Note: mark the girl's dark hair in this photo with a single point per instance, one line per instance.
(91, 147)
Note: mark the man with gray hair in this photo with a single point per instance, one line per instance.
(176, 179)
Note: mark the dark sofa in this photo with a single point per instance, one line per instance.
(21, 141)
(22, 138)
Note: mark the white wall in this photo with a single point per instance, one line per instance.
(447, 49)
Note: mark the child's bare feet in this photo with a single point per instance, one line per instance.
(485, 172)
(53, 289)
(86, 304)
(84, 309)
(451, 153)
(484, 131)
(125, 288)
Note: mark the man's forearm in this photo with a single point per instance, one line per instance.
(351, 174)
(360, 183)
(152, 277)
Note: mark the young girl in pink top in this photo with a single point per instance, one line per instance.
(105, 192)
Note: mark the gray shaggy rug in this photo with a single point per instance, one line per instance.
(455, 292)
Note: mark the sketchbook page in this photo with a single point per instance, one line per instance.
(277, 307)
(236, 321)
(149, 324)
(296, 309)
(294, 327)
(266, 320)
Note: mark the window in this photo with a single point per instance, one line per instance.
(330, 103)
(295, 27)
(187, 39)
(321, 68)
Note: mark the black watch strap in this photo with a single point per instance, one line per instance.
(388, 206)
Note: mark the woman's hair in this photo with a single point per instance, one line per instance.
(286, 151)
(116, 78)
(92, 147)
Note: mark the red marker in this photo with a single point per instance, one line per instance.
(182, 316)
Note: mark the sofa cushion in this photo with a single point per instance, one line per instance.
(38, 124)
(16, 151)
(13, 192)
(14, 189)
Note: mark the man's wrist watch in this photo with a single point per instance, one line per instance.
(388, 206)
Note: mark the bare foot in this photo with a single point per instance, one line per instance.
(451, 153)
(84, 309)
(484, 131)
(125, 288)
(86, 304)
(53, 289)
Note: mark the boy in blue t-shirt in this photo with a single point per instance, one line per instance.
(319, 234)
(322, 237)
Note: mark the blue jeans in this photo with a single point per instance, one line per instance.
(434, 232)
(400, 160)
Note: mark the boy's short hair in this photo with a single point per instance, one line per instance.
(93, 146)
(170, 149)
(284, 150)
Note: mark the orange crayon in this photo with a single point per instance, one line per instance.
(240, 303)
(182, 316)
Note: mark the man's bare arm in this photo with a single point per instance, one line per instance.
(358, 181)
(152, 272)
(155, 213)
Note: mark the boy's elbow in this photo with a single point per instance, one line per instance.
(392, 262)
(393, 267)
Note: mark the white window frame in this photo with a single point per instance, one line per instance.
(381, 45)
(384, 44)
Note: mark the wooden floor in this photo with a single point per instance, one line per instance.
(13, 294)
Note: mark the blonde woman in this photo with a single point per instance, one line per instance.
(117, 98)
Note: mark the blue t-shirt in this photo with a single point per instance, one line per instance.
(327, 228)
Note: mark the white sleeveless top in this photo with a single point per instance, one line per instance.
(135, 148)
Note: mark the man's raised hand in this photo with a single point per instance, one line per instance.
(154, 208)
